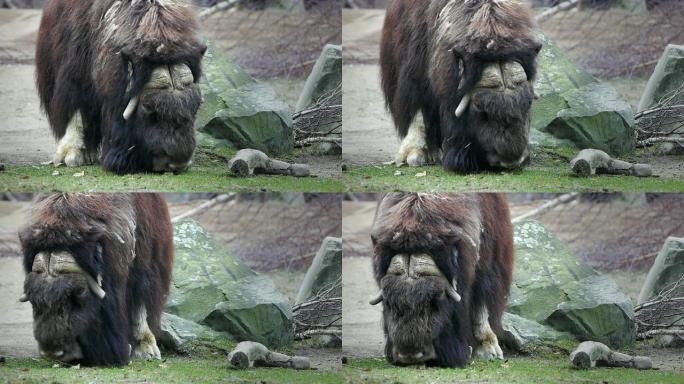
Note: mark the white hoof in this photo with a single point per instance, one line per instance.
(147, 348)
(413, 149)
(489, 348)
(71, 150)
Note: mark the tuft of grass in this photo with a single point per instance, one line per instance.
(549, 172)
(552, 368)
(171, 370)
(209, 173)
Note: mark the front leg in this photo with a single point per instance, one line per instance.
(487, 347)
(413, 149)
(71, 149)
(144, 343)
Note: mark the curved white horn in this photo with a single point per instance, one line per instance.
(23, 298)
(96, 285)
(451, 291)
(130, 108)
(375, 299)
(463, 105)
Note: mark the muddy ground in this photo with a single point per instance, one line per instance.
(369, 136)
(26, 137)
(362, 323)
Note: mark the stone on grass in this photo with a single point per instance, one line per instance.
(575, 109)
(213, 288)
(553, 287)
(239, 112)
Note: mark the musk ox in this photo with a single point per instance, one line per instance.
(120, 77)
(443, 263)
(98, 268)
(468, 66)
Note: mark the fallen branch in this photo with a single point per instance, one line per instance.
(658, 332)
(312, 140)
(646, 112)
(662, 139)
(558, 8)
(317, 332)
(590, 354)
(220, 199)
(589, 162)
(222, 6)
(562, 199)
(248, 162)
(658, 302)
(248, 354)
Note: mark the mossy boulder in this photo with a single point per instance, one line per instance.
(176, 332)
(239, 112)
(213, 288)
(524, 335)
(665, 275)
(575, 109)
(323, 280)
(665, 82)
(553, 287)
(323, 87)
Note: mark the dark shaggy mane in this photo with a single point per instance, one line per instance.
(470, 239)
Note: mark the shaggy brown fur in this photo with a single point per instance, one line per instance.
(432, 53)
(125, 238)
(470, 238)
(94, 56)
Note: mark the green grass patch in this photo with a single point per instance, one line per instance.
(554, 368)
(171, 370)
(209, 173)
(548, 172)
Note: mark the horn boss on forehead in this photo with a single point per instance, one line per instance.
(130, 92)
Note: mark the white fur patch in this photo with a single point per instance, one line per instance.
(488, 344)
(413, 150)
(71, 149)
(145, 342)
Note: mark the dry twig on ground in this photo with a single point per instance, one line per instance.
(663, 314)
(321, 314)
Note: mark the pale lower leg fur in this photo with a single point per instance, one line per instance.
(413, 149)
(487, 347)
(71, 148)
(145, 343)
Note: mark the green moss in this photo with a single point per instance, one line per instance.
(212, 369)
(209, 173)
(549, 172)
(553, 368)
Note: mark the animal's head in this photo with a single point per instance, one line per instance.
(151, 66)
(494, 64)
(66, 303)
(497, 114)
(418, 310)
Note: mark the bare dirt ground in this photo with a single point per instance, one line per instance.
(362, 323)
(23, 127)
